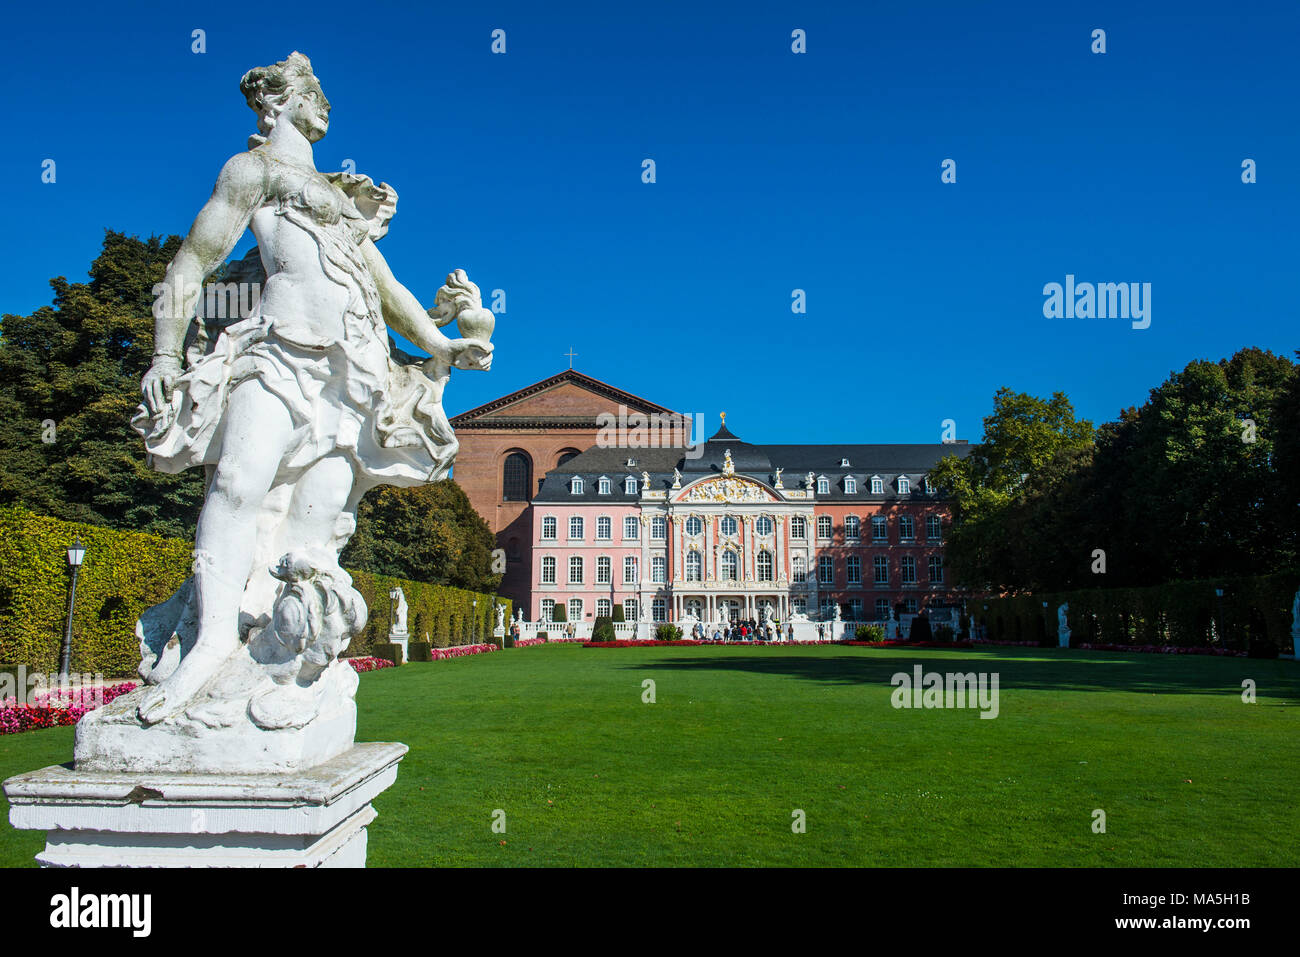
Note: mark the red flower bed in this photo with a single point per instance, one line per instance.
(55, 708)
(892, 643)
(529, 642)
(460, 651)
(690, 641)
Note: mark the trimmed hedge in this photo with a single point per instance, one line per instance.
(1253, 615)
(419, 651)
(126, 572)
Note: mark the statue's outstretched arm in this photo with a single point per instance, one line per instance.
(404, 314)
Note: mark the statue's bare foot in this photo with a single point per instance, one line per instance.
(181, 686)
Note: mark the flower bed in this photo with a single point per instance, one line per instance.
(460, 651)
(1167, 650)
(529, 642)
(54, 708)
(894, 643)
(654, 643)
(368, 663)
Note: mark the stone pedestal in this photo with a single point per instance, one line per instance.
(312, 818)
(402, 638)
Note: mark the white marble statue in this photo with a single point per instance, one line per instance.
(677, 478)
(295, 411)
(501, 617)
(519, 614)
(398, 598)
(777, 483)
(1063, 625)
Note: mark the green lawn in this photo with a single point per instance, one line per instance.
(587, 774)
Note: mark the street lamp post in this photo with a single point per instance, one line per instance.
(475, 620)
(76, 555)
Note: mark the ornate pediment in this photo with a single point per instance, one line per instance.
(729, 489)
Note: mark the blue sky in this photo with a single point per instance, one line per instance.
(775, 171)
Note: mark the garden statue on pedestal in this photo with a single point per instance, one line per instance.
(1063, 625)
(398, 627)
(295, 410)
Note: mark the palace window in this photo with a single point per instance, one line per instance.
(604, 570)
(631, 610)
(850, 485)
(516, 477)
(604, 528)
(936, 569)
(659, 609)
(904, 485)
(877, 485)
(852, 526)
(548, 570)
(729, 565)
(575, 485)
(909, 606)
(548, 528)
(909, 570)
(799, 569)
(694, 567)
(827, 607)
(548, 609)
(763, 525)
(694, 526)
(855, 609)
(934, 528)
(826, 570)
(603, 487)
(629, 486)
(823, 485)
(575, 609)
(879, 529)
(882, 609)
(823, 526)
(603, 607)
(799, 606)
(631, 528)
(929, 486)
(659, 528)
(728, 525)
(575, 526)
(764, 566)
(629, 570)
(880, 570)
(575, 569)
(658, 569)
(798, 527)
(906, 528)
(853, 568)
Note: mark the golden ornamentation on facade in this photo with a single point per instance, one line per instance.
(722, 490)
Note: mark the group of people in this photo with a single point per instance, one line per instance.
(747, 630)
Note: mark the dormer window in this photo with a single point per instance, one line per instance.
(850, 485)
(604, 486)
(844, 463)
(929, 486)
(904, 485)
(877, 485)
(575, 485)
(823, 485)
(631, 463)
(629, 485)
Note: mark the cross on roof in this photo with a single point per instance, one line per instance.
(570, 354)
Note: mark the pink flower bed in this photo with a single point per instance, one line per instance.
(368, 663)
(54, 708)
(529, 642)
(460, 651)
(691, 641)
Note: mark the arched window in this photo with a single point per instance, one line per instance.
(565, 456)
(516, 477)
(729, 565)
(763, 525)
(799, 569)
(852, 526)
(823, 486)
(694, 526)
(728, 525)
(850, 485)
(764, 566)
(693, 567)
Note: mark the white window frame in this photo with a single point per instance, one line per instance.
(604, 534)
(877, 485)
(604, 570)
(575, 609)
(825, 521)
(905, 522)
(575, 485)
(802, 526)
(853, 569)
(694, 566)
(768, 574)
(799, 569)
(881, 523)
(630, 562)
(604, 487)
(581, 526)
(629, 486)
(855, 521)
(575, 561)
(694, 526)
(904, 485)
(850, 485)
(633, 524)
(823, 485)
(658, 529)
(554, 525)
(548, 562)
(825, 562)
(658, 569)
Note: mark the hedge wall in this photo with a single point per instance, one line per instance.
(126, 572)
(1253, 610)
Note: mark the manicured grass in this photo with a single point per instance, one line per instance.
(587, 774)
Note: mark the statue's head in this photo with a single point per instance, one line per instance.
(287, 91)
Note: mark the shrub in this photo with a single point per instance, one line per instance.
(387, 651)
(603, 630)
(618, 614)
(869, 633)
(944, 633)
(558, 615)
(420, 651)
(668, 632)
(544, 636)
